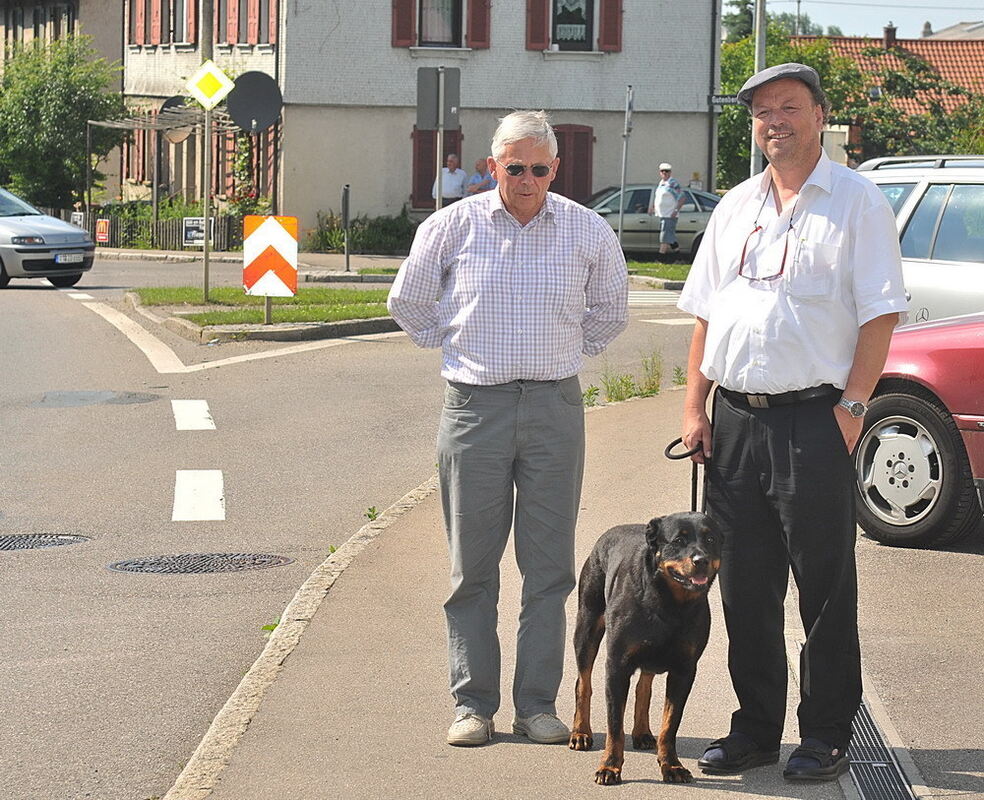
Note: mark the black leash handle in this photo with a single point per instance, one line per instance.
(668, 452)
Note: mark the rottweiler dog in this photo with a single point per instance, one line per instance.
(646, 587)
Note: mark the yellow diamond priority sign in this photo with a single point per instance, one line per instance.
(209, 85)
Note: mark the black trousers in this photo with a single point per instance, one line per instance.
(780, 483)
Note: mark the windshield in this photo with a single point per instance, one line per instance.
(11, 206)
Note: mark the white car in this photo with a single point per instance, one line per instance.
(34, 245)
(939, 209)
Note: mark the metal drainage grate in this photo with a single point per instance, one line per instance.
(35, 541)
(195, 563)
(874, 769)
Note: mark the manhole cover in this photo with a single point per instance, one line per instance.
(185, 563)
(35, 541)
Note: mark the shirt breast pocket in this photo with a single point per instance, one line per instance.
(812, 276)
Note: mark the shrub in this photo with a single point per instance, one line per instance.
(377, 235)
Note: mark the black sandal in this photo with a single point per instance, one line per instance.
(815, 760)
(738, 752)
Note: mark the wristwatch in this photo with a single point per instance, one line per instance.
(855, 407)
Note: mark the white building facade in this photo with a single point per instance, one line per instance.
(348, 73)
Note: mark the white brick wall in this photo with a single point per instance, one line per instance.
(163, 70)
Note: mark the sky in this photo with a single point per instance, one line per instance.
(869, 17)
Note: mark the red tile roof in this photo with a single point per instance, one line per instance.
(959, 61)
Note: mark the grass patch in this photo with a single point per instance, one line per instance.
(294, 313)
(233, 296)
(670, 272)
(378, 270)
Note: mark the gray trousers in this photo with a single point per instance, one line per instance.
(524, 438)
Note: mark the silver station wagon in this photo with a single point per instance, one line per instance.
(939, 209)
(34, 245)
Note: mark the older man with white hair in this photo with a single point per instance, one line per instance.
(516, 286)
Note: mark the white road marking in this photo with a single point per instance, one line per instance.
(658, 297)
(159, 354)
(192, 415)
(166, 362)
(198, 495)
(674, 321)
(80, 296)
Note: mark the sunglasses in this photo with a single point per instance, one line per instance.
(515, 170)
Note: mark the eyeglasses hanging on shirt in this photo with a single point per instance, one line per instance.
(770, 255)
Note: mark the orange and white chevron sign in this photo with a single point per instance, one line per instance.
(270, 256)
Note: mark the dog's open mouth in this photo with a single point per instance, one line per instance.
(696, 580)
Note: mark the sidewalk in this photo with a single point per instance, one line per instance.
(360, 707)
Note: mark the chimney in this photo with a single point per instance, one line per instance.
(888, 40)
(927, 29)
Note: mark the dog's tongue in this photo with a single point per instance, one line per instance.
(700, 580)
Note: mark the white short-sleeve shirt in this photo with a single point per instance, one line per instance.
(798, 330)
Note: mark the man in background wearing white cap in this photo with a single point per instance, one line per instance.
(796, 290)
(666, 205)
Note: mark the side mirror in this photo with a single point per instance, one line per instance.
(604, 211)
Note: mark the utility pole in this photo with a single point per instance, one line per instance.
(756, 165)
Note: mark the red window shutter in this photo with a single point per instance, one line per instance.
(155, 21)
(479, 24)
(404, 23)
(253, 26)
(537, 24)
(610, 30)
(232, 21)
(140, 23)
(575, 144)
(228, 161)
(191, 20)
(274, 8)
(217, 22)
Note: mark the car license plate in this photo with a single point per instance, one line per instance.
(68, 258)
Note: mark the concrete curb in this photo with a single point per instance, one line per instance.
(276, 332)
(201, 774)
(321, 276)
(656, 283)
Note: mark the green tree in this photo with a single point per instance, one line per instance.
(48, 93)
(938, 126)
(740, 22)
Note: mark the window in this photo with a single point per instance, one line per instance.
(634, 201)
(570, 25)
(573, 23)
(179, 32)
(441, 23)
(706, 201)
(896, 193)
(38, 22)
(961, 232)
(917, 240)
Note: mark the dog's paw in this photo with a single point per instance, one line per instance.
(608, 776)
(676, 773)
(580, 741)
(644, 741)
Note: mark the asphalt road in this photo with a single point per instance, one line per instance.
(110, 679)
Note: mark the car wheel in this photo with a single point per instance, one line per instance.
(914, 486)
(696, 245)
(64, 281)
(4, 277)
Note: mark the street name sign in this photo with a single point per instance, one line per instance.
(724, 100)
(270, 256)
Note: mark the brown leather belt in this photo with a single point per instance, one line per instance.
(784, 399)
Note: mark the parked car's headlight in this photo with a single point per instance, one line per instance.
(27, 240)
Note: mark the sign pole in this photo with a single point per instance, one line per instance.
(268, 310)
(206, 192)
(755, 166)
(625, 151)
(439, 156)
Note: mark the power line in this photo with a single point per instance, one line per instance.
(882, 5)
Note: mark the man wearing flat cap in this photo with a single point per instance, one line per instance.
(796, 290)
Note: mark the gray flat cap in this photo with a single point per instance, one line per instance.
(801, 72)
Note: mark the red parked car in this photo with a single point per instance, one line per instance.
(920, 458)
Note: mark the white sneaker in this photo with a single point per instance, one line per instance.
(542, 729)
(469, 730)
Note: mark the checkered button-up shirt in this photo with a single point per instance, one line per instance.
(509, 302)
